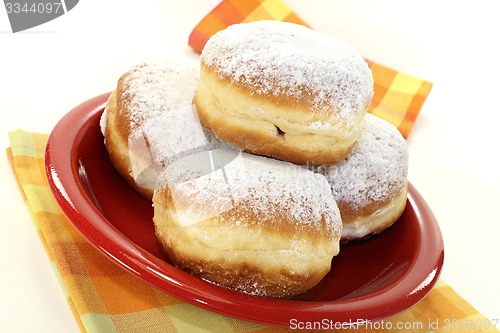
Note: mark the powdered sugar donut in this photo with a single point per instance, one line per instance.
(283, 90)
(250, 223)
(149, 121)
(370, 185)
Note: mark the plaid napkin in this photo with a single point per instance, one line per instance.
(398, 97)
(104, 298)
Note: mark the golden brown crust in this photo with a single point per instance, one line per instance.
(149, 98)
(116, 142)
(245, 211)
(261, 126)
(374, 218)
(299, 109)
(122, 102)
(351, 211)
(269, 228)
(250, 279)
(271, 271)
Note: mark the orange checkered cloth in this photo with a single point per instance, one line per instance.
(398, 97)
(105, 298)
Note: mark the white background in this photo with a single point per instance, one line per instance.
(47, 70)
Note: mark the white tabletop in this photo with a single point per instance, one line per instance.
(49, 69)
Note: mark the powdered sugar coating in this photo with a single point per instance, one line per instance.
(290, 60)
(376, 169)
(159, 103)
(212, 183)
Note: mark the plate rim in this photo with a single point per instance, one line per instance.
(153, 270)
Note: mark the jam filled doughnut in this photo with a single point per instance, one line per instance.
(246, 222)
(149, 121)
(283, 90)
(370, 185)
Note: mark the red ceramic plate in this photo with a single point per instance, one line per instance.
(369, 280)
